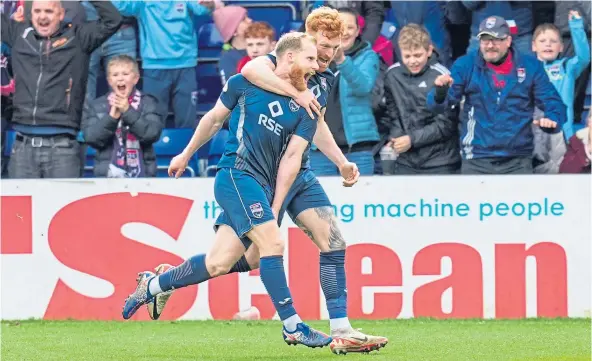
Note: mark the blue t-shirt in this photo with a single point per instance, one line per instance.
(320, 84)
(261, 124)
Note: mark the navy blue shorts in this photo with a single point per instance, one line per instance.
(305, 193)
(245, 202)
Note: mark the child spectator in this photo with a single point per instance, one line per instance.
(563, 72)
(579, 151)
(231, 21)
(123, 125)
(260, 38)
(426, 143)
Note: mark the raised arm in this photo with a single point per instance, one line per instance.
(578, 63)
(93, 33)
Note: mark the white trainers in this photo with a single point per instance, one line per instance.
(351, 340)
(156, 307)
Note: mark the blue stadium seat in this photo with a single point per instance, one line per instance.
(171, 143)
(89, 162)
(277, 14)
(209, 41)
(388, 29)
(218, 143)
(209, 85)
(292, 26)
(296, 5)
(10, 136)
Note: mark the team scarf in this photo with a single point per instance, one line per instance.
(127, 159)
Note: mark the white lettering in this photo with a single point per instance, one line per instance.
(270, 124)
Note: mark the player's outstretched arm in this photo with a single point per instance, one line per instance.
(288, 170)
(324, 140)
(209, 125)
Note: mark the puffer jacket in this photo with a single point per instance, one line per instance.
(98, 129)
(356, 76)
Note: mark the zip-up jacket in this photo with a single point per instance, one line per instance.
(434, 137)
(51, 73)
(563, 72)
(499, 124)
(167, 31)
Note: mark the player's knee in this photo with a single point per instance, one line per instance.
(272, 247)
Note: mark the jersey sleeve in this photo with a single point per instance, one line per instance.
(232, 91)
(307, 126)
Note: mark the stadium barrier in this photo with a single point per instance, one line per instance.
(444, 247)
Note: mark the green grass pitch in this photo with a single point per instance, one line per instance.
(414, 339)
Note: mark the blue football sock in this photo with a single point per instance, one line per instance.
(190, 272)
(241, 266)
(333, 283)
(274, 280)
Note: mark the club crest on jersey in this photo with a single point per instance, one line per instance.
(324, 83)
(554, 72)
(257, 210)
(294, 106)
(521, 72)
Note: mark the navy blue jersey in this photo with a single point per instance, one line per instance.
(320, 85)
(261, 124)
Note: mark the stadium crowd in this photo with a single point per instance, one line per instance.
(115, 89)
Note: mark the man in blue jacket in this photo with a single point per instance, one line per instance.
(168, 47)
(500, 86)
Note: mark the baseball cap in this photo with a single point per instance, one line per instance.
(494, 26)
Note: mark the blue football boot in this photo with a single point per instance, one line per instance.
(140, 296)
(306, 336)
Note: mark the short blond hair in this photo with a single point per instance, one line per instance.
(292, 41)
(413, 37)
(123, 59)
(546, 27)
(326, 21)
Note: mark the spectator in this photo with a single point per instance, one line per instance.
(122, 42)
(231, 21)
(518, 13)
(563, 72)
(123, 125)
(372, 12)
(260, 38)
(349, 106)
(579, 151)
(430, 14)
(562, 22)
(169, 53)
(7, 86)
(500, 86)
(426, 143)
(74, 11)
(49, 89)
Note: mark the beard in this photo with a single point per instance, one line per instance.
(297, 78)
